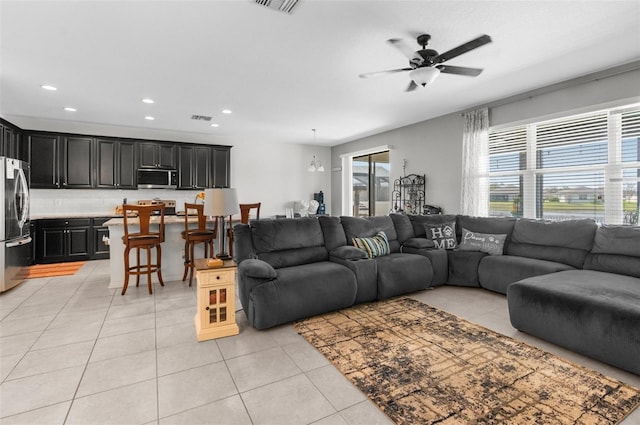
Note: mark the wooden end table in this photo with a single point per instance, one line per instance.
(216, 315)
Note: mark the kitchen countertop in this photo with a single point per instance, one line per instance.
(168, 219)
(68, 215)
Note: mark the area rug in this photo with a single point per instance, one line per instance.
(421, 365)
(51, 270)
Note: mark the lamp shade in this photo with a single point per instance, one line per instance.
(221, 202)
(424, 76)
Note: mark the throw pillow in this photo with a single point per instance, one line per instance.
(443, 235)
(374, 246)
(474, 241)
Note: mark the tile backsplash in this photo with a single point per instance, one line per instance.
(71, 202)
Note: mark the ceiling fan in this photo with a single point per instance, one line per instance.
(426, 64)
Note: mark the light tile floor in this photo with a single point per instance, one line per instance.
(73, 351)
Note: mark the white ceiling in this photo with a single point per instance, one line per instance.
(282, 74)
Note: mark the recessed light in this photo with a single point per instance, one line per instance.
(226, 111)
(147, 100)
(70, 109)
(215, 125)
(48, 87)
(149, 117)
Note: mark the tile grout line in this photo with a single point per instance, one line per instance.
(86, 365)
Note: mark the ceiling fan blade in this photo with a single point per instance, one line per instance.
(404, 48)
(378, 73)
(464, 48)
(412, 86)
(459, 70)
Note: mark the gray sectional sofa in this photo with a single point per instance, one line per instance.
(573, 283)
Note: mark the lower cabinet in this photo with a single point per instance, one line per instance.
(73, 239)
(100, 233)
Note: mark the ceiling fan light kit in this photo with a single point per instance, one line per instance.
(426, 64)
(424, 76)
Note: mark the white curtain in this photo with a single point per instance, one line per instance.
(475, 164)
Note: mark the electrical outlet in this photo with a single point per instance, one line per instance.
(57, 202)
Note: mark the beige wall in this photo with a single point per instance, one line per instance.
(434, 147)
(274, 174)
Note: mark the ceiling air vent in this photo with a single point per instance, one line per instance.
(200, 117)
(281, 5)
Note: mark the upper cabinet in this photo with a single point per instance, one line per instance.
(157, 155)
(76, 161)
(11, 143)
(44, 149)
(220, 166)
(194, 169)
(117, 162)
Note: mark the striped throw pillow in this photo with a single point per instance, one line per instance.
(374, 246)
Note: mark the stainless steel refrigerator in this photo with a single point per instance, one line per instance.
(15, 240)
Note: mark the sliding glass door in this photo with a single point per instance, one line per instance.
(370, 184)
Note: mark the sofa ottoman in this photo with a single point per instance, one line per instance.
(591, 312)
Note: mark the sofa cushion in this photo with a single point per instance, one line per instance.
(332, 231)
(287, 233)
(463, 267)
(401, 273)
(364, 227)
(288, 242)
(619, 240)
(374, 246)
(443, 235)
(594, 313)
(497, 272)
(616, 249)
(300, 291)
(565, 242)
(403, 227)
(483, 242)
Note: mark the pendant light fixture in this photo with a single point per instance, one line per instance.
(316, 164)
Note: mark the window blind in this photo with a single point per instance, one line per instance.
(583, 166)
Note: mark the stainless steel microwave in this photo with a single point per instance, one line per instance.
(157, 178)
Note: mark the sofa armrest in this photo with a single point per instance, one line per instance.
(257, 269)
(347, 252)
(418, 243)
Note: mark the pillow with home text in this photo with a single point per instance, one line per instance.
(443, 235)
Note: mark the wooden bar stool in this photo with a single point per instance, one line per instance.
(193, 235)
(143, 239)
(245, 209)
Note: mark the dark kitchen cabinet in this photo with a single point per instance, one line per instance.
(194, 166)
(77, 162)
(157, 155)
(100, 236)
(220, 166)
(116, 164)
(11, 144)
(60, 240)
(44, 160)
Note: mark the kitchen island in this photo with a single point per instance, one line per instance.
(172, 250)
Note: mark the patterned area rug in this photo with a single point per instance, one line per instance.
(50, 270)
(421, 365)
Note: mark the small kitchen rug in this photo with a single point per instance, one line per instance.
(421, 365)
(51, 270)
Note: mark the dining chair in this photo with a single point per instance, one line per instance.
(245, 210)
(195, 232)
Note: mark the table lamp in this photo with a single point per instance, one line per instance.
(219, 203)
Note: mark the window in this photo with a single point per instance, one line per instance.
(584, 166)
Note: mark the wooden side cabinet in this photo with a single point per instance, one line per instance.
(216, 298)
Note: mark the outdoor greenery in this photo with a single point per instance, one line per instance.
(555, 206)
